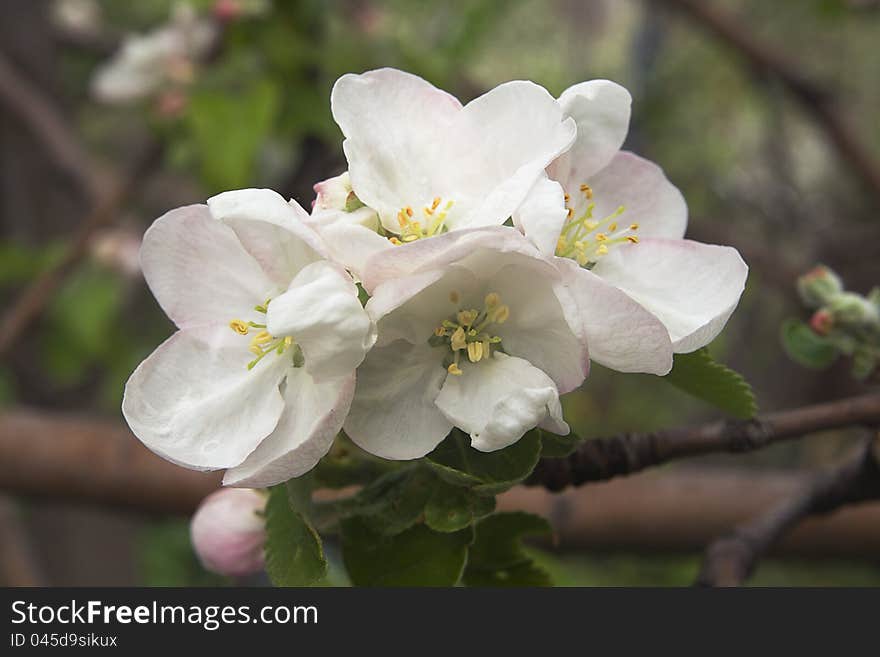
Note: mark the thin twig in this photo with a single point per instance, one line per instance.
(603, 458)
(27, 308)
(43, 120)
(730, 560)
(816, 100)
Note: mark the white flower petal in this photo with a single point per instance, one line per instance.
(198, 270)
(691, 287)
(272, 230)
(352, 245)
(601, 109)
(313, 415)
(648, 198)
(393, 413)
(542, 214)
(497, 400)
(391, 121)
(194, 402)
(621, 334)
(321, 311)
(500, 144)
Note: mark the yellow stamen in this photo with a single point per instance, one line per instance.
(409, 211)
(475, 351)
(435, 203)
(239, 326)
(633, 226)
(454, 369)
(492, 299)
(500, 314)
(632, 238)
(458, 340)
(395, 241)
(602, 250)
(467, 317)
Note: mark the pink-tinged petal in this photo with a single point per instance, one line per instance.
(497, 400)
(392, 122)
(198, 270)
(441, 251)
(313, 415)
(601, 110)
(544, 327)
(393, 413)
(275, 232)
(621, 334)
(499, 146)
(648, 198)
(322, 312)
(692, 288)
(228, 531)
(352, 245)
(194, 402)
(542, 215)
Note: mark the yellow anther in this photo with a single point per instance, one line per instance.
(475, 351)
(410, 238)
(395, 241)
(492, 299)
(454, 369)
(255, 349)
(587, 190)
(453, 297)
(632, 238)
(633, 226)
(601, 237)
(602, 250)
(612, 228)
(467, 317)
(262, 338)
(591, 225)
(567, 197)
(458, 339)
(239, 326)
(500, 314)
(439, 331)
(409, 211)
(401, 219)
(435, 202)
(288, 341)
(570, 213)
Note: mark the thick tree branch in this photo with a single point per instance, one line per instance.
(768, 60)
(604, 458)
(27, 308)
(730, 560)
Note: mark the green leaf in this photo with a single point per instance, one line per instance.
(394, 501)
(699, 375)
(487, 473)
(497, 557)
(806, 347)
(451, 508)
(553, 446)
(294, 555)
(416, 557)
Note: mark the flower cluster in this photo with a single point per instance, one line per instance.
(461, 274)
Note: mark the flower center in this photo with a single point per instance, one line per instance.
(585, 239)
(467, 331)
(433, 222)
(263, 342)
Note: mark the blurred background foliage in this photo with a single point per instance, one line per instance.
(756, 171)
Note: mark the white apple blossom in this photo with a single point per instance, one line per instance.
(477, 330)
(427, 165)
(620, 224)
(228, 531)
(145, 63)
(260, 375)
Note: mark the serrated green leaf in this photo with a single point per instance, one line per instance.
(294, 554)
(699, 375)
(553, 446)
(451, 508)
(806, 347)
(487, 473)
(497, 557)
(416, 557)
(394, 501)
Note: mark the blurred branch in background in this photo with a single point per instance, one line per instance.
(18, 565)
(767, 60)
(730, 560)
(604, 458)
(28, 306)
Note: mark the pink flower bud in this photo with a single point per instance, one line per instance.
(227, 11)
(228, 531)
(822, 322)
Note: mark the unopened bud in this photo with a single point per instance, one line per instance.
(819, 286)
(822, 322)
(853, 310)
(228, 531)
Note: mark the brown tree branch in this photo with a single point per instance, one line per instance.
(604, 458)
(730, 560)
(28, 306)
(815, 100)
(18, 565)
